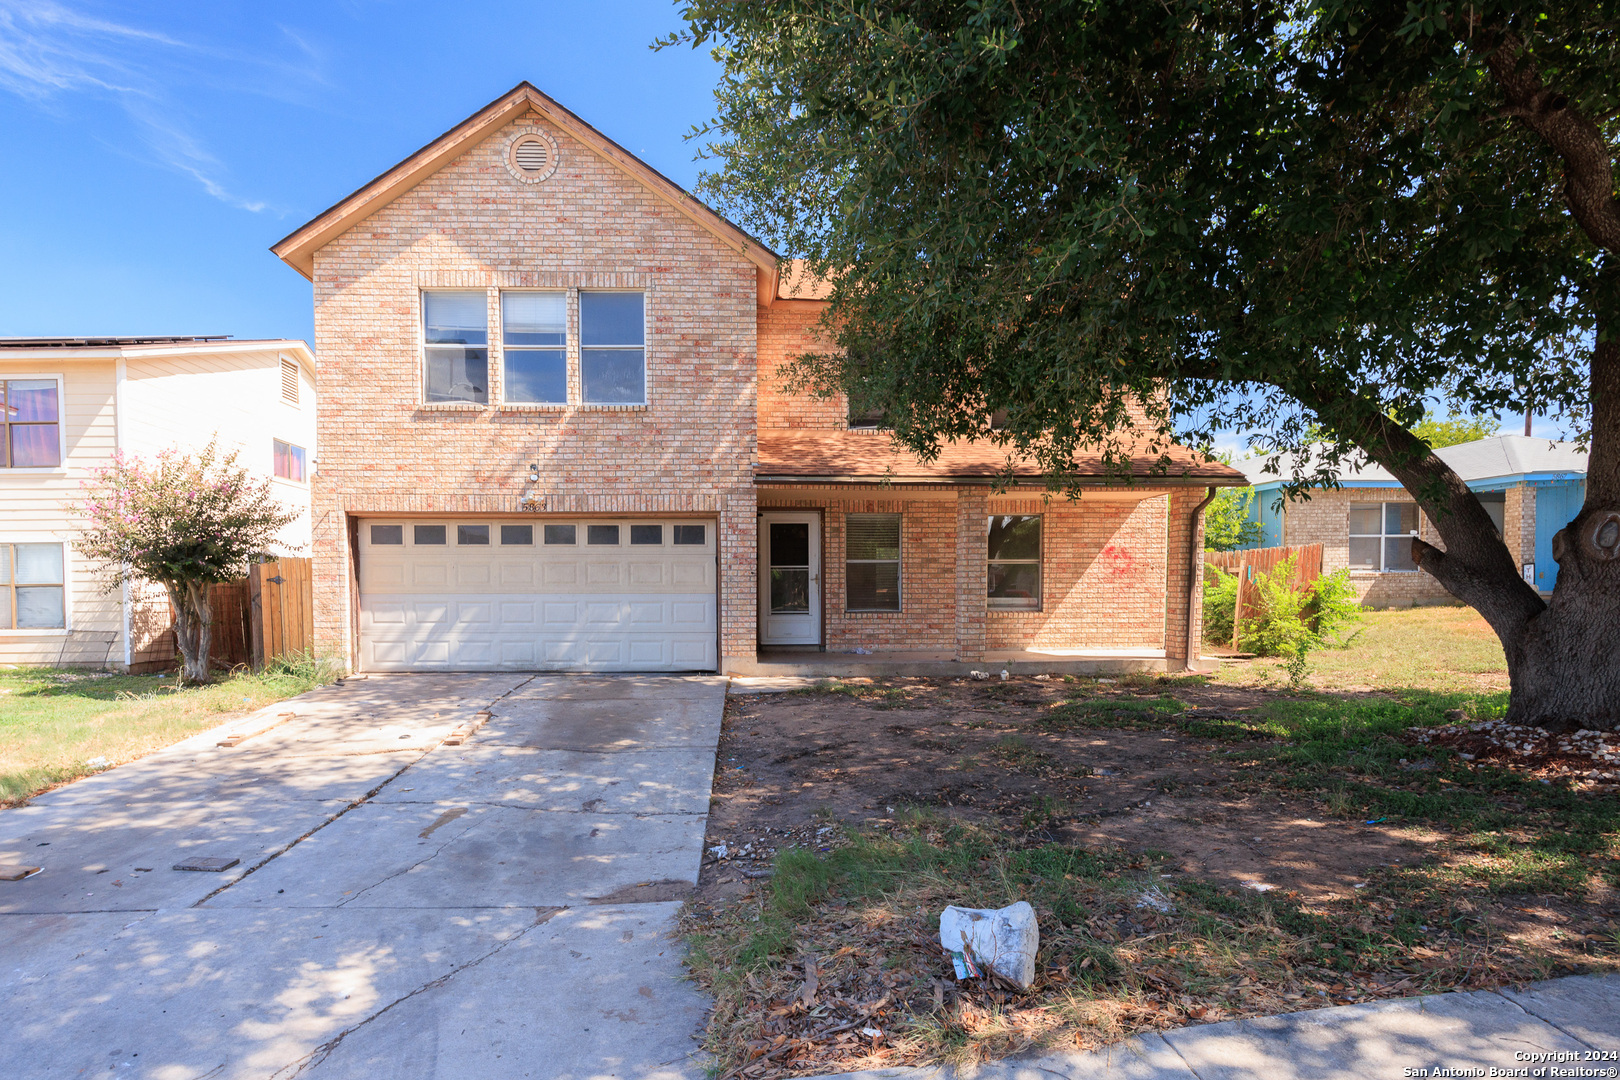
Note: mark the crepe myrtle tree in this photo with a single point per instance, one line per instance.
(186, 521)
(1278, 218)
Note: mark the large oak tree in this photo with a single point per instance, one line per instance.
(1282, 218)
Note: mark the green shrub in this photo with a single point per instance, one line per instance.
(1220, 602)
(1292, 620)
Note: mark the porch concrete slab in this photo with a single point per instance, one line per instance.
(881, 665)
(594, 993)
(565, 781)
(1584, 1007)
(1478, 1030)
(415, 855)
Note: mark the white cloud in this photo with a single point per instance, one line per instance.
(49, 51)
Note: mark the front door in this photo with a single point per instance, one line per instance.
(790, 578)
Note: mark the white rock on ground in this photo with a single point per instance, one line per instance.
(1004, 939)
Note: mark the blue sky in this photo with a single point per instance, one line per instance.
(155, 151)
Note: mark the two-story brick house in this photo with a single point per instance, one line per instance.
(555, 436)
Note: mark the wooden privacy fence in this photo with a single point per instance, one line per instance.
(268, 614)
(1247, 565)
(282, 615)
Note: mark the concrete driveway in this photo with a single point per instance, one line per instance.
(400, 909)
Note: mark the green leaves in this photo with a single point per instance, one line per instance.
(178, 519)
(1215, 216)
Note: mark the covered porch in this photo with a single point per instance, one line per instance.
(874, 564)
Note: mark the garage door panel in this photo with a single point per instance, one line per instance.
(430, 574)
(536, 607)
(517, 573)
(517, 614)
(560, 574)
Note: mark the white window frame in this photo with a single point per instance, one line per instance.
(577, 314)
(1382, 537)
(61, 424)
(570, 336)
(898, 561)
(491, 366)
(67, 592)
(1015, 603)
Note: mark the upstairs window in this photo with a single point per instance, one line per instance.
(534, 347)
(1381, 536)
(289, 461)
(30, 424)
(613, 353)
(31, 587)
(455, 336)
(1014, 573)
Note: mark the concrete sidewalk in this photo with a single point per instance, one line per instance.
(401, 909)
(1565, 1027)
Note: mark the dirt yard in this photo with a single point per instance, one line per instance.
(1285, 849)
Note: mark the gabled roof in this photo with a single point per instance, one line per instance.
(1499, 457)
(298, 248)
(800, 455)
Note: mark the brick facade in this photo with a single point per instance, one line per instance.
(472, 225)
(1325, 519)
(1115, 568)
(1113, 573)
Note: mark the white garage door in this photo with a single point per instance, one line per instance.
(591, 594)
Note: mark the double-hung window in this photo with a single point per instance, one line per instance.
(455, 337)
(534, 347)
(30, 424)
(1014, 571)
(1381, 535)
(31, 587)
(872, 562)
(613, 353)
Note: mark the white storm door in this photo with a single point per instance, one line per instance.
(790, 579)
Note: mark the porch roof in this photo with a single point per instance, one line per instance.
(799, 455)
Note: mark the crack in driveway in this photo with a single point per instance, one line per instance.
(322, 1052)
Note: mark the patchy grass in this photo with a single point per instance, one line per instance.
(57, 725)
(1124, 949)
(1436, 648)
(1507, 872)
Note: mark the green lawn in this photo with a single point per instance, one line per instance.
(60, 724)
(1447, 649)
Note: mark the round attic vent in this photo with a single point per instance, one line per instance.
(531, 156)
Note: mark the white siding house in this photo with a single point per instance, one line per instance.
(68, 406)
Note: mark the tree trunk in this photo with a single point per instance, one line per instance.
(1571, 673)
(193, 627)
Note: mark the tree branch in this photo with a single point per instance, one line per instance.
(1588, 163)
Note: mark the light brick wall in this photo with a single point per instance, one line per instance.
(1105, 575)
(1519, 523)
(472, 225)
(788, 329)
(1325, 519)
(1103, 579)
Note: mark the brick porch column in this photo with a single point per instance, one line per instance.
(972, 511)
(739, 576)
(1182, 581)
(1519, 523)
